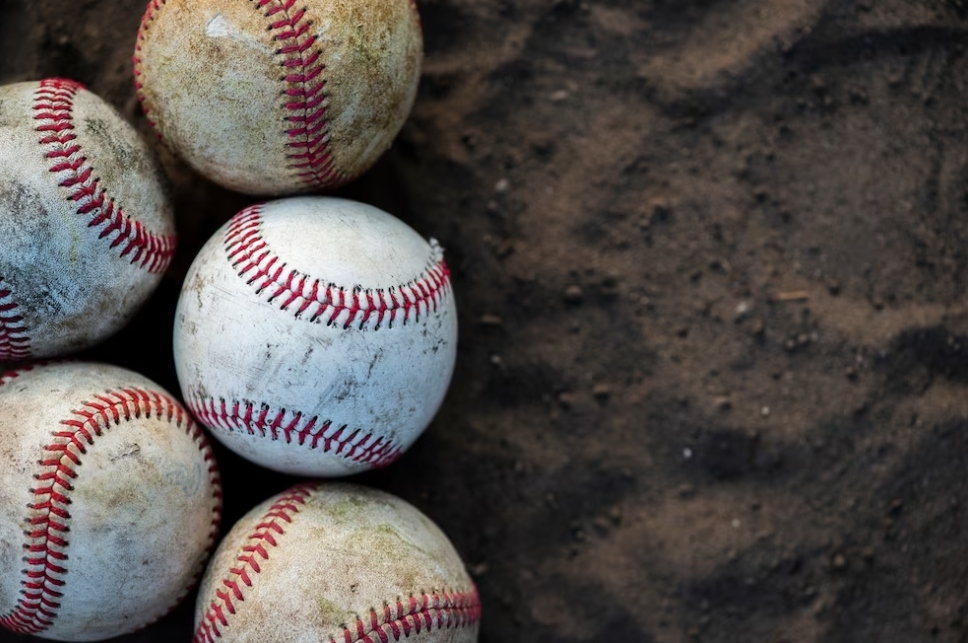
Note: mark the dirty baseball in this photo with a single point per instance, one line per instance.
(316, 335)
(109, 502)
(275, 96)
(86, 227)
(336, 562)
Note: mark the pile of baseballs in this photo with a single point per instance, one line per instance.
(314, 336)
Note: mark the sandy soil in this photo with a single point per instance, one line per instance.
(710, 260)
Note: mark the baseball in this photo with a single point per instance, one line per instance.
(86, 228)
(336, 562)
(109, 502)
(275, 96)
(316, 336)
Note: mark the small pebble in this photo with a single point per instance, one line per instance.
(602, 391)
(567, 399)
(660, 209)
(573, 294)
(502, 186)
(490, 320)
(742, 310)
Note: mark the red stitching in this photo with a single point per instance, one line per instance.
(54, 104)
(149, 16)
(238, 417)
(48, 523)
(283, 510)
(305, 97)
(14, 337)
(440, 610)
(10, 376)
(320, 301)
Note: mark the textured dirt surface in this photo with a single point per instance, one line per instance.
(710, 262)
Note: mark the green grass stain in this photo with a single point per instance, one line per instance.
(347, 508)
(331, 614)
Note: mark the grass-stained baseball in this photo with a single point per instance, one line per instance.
(336, 562)
(278, 96)
(110, 501)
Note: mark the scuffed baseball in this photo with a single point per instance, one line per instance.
(336, 562)
(277, 96)
(86, 227)
(109, 501)
(316, 336)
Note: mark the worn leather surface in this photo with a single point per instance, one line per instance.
(336, 555)
(238, 88)
(120, 504)
(69, 283)
(312, 318)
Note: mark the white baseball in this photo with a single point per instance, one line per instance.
(86, 228)
(109, 502)
(279, 96)
(316, 336)
(336, 562)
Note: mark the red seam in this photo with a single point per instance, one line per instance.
(437, 610)
(305, 97)
(14, 336)
(322, 302)
(10, 376)
(149, 16)
(54, 104)
(49, 523)
(249, 562)
(234, 416)
(304, 94)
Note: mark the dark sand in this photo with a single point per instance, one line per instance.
(710, 262)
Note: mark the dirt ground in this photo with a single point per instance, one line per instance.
(710, 259)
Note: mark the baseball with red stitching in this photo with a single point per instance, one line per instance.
(278, 96)
(336, 562)
(316, 335)
(109, 501)
(86, 225)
